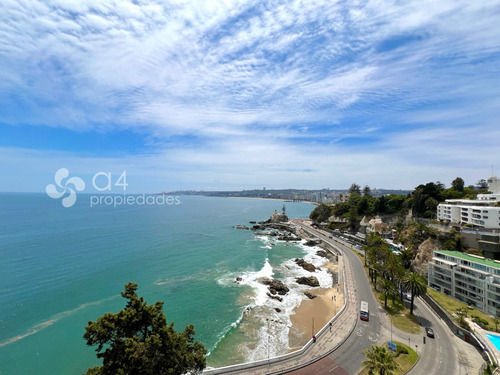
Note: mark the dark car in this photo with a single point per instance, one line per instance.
(430, 332)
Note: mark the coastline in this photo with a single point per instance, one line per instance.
(314, 314)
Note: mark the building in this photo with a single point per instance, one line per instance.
(471, 279)
(482, 212)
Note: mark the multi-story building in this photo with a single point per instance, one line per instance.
(471, 279)
(481, 212)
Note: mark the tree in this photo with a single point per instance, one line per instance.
(137, 340)
(367, 190)
(482, 184)
(416, 285)
(458, 184)
(388, 289)
(381, 360)
(353, 219)
(321, 213)
(355, 189)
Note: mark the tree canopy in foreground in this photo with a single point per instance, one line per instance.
(138, 341)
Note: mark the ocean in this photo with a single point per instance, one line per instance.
(61, 267)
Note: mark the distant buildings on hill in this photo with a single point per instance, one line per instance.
(327, 196)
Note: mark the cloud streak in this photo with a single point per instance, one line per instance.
(307, 80)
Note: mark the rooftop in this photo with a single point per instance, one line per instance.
(471, 258)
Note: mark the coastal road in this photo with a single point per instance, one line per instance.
(348, 358)
(437, 356)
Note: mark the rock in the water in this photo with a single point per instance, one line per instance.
(311, 281)
(238, 279)
(275, 286)
(322, 253)
(277, 298)
(310, 295)
(305, 265)
(312, 242)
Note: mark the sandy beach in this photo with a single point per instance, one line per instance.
(317, 311)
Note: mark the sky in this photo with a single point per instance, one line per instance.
(232, 95)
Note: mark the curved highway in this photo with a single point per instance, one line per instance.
(437, 356)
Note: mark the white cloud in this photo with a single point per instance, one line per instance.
(402, 73)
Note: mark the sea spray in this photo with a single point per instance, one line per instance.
(263, 331)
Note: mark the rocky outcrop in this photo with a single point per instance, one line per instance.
(424, 255)
(277, 298)
(310, 295)
(312, 242)
(305, 265)
(322, 253)
(275, 286)
(311, 281)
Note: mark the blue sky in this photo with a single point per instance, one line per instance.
(246, 94)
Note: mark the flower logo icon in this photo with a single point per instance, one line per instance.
(53, 192)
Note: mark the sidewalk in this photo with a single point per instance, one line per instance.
(327, 341)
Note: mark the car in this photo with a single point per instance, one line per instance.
(408, 296)
(430, 332)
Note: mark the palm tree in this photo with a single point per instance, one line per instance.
(388, 289)
(416, 285)
(381, 360)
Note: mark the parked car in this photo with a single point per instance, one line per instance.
(408, 296)
(430, 332)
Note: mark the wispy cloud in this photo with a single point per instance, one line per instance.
(338, 89)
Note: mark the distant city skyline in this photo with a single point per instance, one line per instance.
(245, 94)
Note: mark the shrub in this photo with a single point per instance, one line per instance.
(401, 350)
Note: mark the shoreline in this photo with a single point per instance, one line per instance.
(313, 314)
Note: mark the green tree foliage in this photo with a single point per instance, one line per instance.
(416, 285)
(426, 198)
(380, 360)
(388, 289)
(367, 190)
(353, 219)
(355, 189)
(414, 234)
(458, 184)
(321, 213)
(138, 341)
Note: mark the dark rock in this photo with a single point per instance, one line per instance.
(305, 265)
(322, 253)
(310, 295)
(311, 281)
(277, 310)
(312, 242)
(288, 238)
(275, 286)
(275, 297)
(238, 279)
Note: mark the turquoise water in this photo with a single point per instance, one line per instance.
(61, 267)
(495, 340)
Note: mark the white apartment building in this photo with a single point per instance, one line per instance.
(471, 279)
(481, 212)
